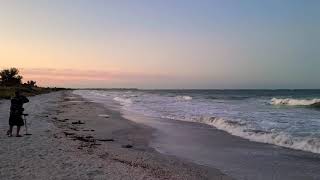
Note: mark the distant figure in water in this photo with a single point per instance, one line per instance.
(16, 111)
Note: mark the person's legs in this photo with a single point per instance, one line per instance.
(9, 132)
(18, 131)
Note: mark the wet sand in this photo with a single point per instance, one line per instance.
(240, 158)
(73, 138)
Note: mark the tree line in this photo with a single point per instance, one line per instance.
(11, 78)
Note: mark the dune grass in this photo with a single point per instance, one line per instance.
(8, 92)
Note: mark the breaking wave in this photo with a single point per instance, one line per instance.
(187, 98)
(252, 118)
(281, 139)
(295, 102)
(123, 101)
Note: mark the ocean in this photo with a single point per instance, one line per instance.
(287, 118)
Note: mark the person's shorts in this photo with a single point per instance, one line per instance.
(16, 120)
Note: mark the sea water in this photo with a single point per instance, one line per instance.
(287, 118)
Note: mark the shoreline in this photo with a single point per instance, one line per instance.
(235, 156)
(71, 141)
(125, 132)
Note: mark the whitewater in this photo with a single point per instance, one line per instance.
(286, 118)
(295, 102)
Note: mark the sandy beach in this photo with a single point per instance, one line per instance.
(175, 90)
(73, 138)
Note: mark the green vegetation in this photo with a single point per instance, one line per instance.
(8, 92)
(10, 81)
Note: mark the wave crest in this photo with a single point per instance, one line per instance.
(281, 139)
(295, 102)
(186, 98)
(123, 101)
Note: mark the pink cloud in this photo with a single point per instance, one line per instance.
(63, 77)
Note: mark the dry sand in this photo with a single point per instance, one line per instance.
(74, 139)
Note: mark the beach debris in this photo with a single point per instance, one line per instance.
(86, 142)
(68, 133)
(56, 136)
(106, 140)
(127, 146)
(59, 111)
(104, 156)
(73, 128)
(132, 163)
(94, 144)
(84, 139)
(62, 120)
(70, 97)
(104, 115)
(78, 122)
(75, 101)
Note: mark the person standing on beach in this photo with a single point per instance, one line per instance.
(16, 111)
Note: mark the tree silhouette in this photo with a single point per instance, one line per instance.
(31, 83)
(10, 77)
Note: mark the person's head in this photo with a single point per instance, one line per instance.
(17, 93)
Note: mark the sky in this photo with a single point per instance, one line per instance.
(152, 44)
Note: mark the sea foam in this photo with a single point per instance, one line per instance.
(281, 139)
(294, 102)
(123, 101)
(187, 98)
(243, 118)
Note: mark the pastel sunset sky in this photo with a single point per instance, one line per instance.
(163, 43)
